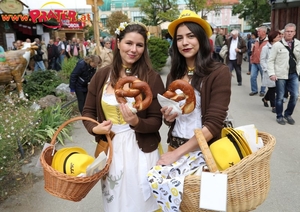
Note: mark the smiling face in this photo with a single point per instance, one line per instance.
(187, 43)
(131, 47)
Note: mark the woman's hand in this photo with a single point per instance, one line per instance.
(168, 158)
(166, 111)
(103, 128)
(128, 116)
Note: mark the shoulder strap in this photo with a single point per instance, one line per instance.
(290, 50)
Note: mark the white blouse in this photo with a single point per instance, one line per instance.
(186, 123)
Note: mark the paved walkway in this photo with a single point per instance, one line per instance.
(284, 194)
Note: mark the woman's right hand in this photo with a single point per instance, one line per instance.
(168, 116)
(103, 128)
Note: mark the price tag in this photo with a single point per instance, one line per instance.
(213, 191)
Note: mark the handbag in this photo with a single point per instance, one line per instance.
(223, 51)
(103, 145)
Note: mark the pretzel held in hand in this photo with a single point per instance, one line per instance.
(138, 90)
(188, 94)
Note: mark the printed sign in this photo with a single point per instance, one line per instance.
(11, 6)
(54, 18)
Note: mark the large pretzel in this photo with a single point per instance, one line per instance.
(136, 89)
(188, 94)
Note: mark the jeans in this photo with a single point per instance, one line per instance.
(291, 84)
(52, 63)
(59, 62)
(255, 68)
(81, 96)
(233, 65)
(39, 65)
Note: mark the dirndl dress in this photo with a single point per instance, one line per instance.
(125, 187)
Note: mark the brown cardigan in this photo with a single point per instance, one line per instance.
(215, 98)
(150, 120)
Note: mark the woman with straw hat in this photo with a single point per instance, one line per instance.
(211, 82)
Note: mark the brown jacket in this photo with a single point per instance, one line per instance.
(239, 55)
(215, 98)
(150, 120)
(256, 51)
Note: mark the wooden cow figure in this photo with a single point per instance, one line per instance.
(13, 68)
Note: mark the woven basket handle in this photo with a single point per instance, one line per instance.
(209, 159)
(53, 141)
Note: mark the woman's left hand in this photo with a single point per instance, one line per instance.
(168, 158)
(130, 117)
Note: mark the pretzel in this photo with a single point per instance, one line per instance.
(136, 90)
(188, 94)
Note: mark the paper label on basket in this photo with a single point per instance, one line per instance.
(38, 163)
(213, 191)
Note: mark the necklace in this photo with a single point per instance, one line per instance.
(127, 70)
(191, 71)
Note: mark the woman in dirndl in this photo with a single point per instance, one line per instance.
(211, 81)
(125, 188)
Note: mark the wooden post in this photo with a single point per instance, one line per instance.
(96, 26)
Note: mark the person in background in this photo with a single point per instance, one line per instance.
(219, 42)
(113, 43)
(81, 77)
(211, 81)
(52, 54)
(38, 57)
(273, 36)
(284, 69)
(250, 45)
(18, 44)
(14, 45)
(82, 49)
(101, 42)
(73, 48)
(234, 59)
(61, 49)
(106, 52)
(45, 54)
(255, 61)
(136, 136)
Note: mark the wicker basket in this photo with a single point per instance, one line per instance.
(65, 186)
(248, 181)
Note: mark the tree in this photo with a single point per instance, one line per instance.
(114, 20)
(203, 6)
(158, 11)
(255, 12)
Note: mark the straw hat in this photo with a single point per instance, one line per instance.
(190, 16)
(71, 161)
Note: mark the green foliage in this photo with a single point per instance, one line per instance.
(50, 120)
(114, 20)
(67, 67)
(41, 83)
(255, 12)
(203, 6)
(17, 123)
(158, 11)
(158, 50)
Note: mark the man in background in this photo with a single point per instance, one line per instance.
(284, 69)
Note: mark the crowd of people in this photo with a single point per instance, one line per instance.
(153, 179)
(51, 55)
(272, 54)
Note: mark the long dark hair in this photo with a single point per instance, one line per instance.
(140, 67)
(204, 64)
